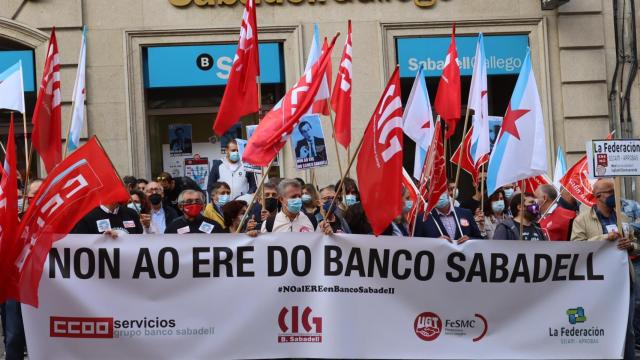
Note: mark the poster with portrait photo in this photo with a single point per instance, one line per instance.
(495, 123)
(308, 143)
(180, 136)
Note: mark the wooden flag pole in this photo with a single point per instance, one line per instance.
(66, 143)
(260, 189)
(346, 172)
(482, 181)
(4, 150)
(617, 188)
(464, 133)
(262, 173)
(335, 141)
(522, 209)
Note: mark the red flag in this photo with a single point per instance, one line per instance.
(412, 190)
(241, 94)
(274, 129)
(435, 170)
(578, 184)
(321, 106)
(380, 159)
(531, 184)
(467, 158)
(47, 117)
(80, 183)
(341, 96)
(448, 97)
(8, 205)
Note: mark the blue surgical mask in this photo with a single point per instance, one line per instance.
(223, 199)
(508, 193)
(306, 198)
(134, 206)
(327, 203)
(408, 204)
(443, 201)
(234, 156)
(294, 205)
(497, 206)
(350, 199)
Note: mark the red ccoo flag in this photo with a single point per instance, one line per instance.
(274, 129)
(531, 184)
(578, 184)
(467, 159)
(341, 96)
(47, 117)
(380, 159)
(434, 171)
(448, 98)
(241, 94)
(80, 183)
(8, 204)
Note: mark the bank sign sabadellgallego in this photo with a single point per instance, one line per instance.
(505, 54)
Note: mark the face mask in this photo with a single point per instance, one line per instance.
(294, 205)
(134, 206)
(508, 193)
(350, 200)
(443, 201)
(20, 203)
(223, 199)
(610, 201)
(533, 211)
(271, 204)
(497, 206)
(565, 204)
(234, 156)
(155, 199)
(192, 210)
(306, 198)
(408, 204)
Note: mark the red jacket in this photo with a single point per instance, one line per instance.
(557, 224)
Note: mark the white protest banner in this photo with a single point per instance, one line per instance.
(314, 296)
(609, 158)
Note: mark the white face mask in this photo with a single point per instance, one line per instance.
(134, 206)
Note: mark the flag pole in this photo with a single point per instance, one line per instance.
(4, 150)
(464, 132)
(521, 208)
(27, 153)
(482, 180)
(66, 143)
(255, 195)
(617, 186)
(335, 141)
(344, 174)
(261, 168)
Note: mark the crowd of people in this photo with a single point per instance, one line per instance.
(170, 205)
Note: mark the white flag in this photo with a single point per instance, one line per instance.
(560, 169)
(478, 102)
(417, 120)
(79, 95)
(12, 88)
(314, 54)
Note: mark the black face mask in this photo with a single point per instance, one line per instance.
(271, 204)
(155, 199)
(565, 204)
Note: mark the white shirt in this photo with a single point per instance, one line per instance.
(235, 175)
(282, 224)
(158, 222)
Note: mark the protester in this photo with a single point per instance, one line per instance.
(139, 202)
(32, 190)
(528, 215)
(220, 196)
(110, 220)
(494, 213)
(311, 204)
(174, 187)
(358, 222)
(141, 184)
(291, 218)
(336, 217)
(509, 191)
(556, 221)
(271, 203)
(231, 171)
(192, 221)
(601, 223)
(351, 192)
(160, 215)
(400, 225)
(443, 222)
(15, 344)
(233, 213)
(130, 182)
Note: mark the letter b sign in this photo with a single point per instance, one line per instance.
(204, 62)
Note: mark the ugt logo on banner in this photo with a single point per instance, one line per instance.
(293, 334)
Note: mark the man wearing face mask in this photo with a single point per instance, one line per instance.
(556, 221)
(336, 217)
(291, 218)
(220, 196)
(509, 190)
(527, 216)
(231, 171)
(173, 187)
(443, 218)
(271, 203)
(192, 221)
(161, 215)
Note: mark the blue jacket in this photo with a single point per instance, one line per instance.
(428, 228)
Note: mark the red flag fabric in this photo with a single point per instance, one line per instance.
(408, 184)
(240, 96)
(274, 129)
(8, 205)
(80, 183)
(322, 106)
(435, 170)
(531, 184)
(380, 159)
(467, 158)
(341, 96)
(47, 116)
(448, 97)
(578, 184)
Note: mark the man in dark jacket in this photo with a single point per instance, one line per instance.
(443, 222)
(527, 216)
(111, 219)
(161, 215)
(173, 187)
(192, 221)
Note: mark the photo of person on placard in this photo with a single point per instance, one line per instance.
(180, 139)
(310, 148)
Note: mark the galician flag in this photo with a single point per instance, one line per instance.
(320, 102)
(520, 151)
(417, 120)
(12, 88)
(560, 169)
(479, 103)
(79, 95)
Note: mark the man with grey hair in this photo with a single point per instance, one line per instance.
(191, 203)
(291, 218)
(556, 221)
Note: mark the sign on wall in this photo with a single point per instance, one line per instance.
(505, 54)
(205, 65)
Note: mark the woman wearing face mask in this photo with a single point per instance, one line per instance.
(138, 201)
(495, 212)
(350, 192)
(311, 204)
(233, 213)
(527, 216)
(220, 195)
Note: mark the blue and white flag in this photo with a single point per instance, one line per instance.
(479, 103)
(12, 88)
(79, 95)
(520, 151)
(560, 169)
(417, 120)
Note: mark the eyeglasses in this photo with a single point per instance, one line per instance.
(191, 202)
(162, 178)
(153, 191)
